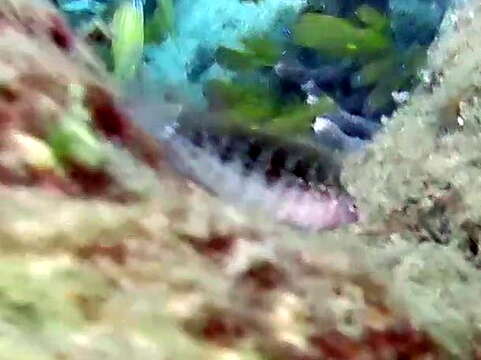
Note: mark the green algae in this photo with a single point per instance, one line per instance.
(260, 51)
(162, 23)
(73, 137)
(44, 300)
(72, 140)
(257, 107)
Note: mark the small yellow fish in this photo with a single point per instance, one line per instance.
(128, 38)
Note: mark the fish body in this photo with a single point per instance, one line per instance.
(296, 182)
(260, 151)
(128, 38)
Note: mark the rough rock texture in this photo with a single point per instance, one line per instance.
(417, 20)
(149, 266)
(422, 186)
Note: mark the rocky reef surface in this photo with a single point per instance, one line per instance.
(107, 253)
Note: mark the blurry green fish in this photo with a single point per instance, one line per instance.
(340, 37)
(162, 23)
(128, 38)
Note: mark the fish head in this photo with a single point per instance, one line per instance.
(347, 210)
(317, 209)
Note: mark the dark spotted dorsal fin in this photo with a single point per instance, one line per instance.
(277, 157)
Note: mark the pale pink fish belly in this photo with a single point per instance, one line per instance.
(315, 210)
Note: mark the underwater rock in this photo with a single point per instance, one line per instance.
(424, 171)
(355, 126)
(328, 133)
(325, 76)
(203, 60)
(180, 275)
(416, 21)
(57, 123)
(330, 78)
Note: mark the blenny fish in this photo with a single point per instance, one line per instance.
(294, 181)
